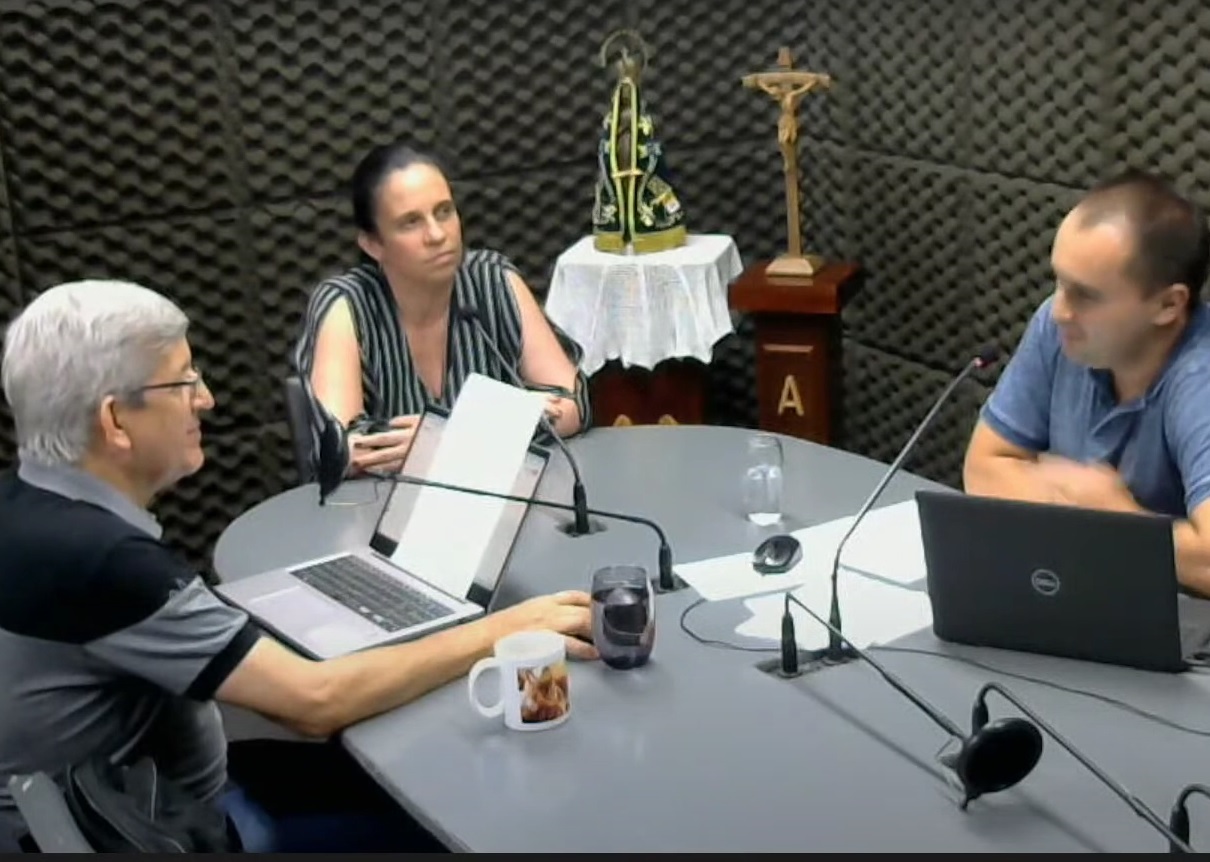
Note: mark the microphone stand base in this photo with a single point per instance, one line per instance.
(568, 528)
(809, 661)
(677, 584)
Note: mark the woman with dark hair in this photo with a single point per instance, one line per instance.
(390, 335)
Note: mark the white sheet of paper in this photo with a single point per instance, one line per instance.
(886, 544)
(482, 446)
(871, 611)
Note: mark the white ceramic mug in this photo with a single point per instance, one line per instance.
(534, 690)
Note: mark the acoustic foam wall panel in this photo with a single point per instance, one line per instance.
(10, 286)
(295, 246)
(280, 471)
(736, 190)
(1014, 223)
(9, 302)
(196, 510)
(731, 393)
(886, 397)
(520, 85)
(197, 263)
(911, 234)
(6, 222)
(702, 50)
(111, 110)
(1037, 108)
(319, 84)
(824, 192)
(531, 217)
(1159, 81)
(910, 64)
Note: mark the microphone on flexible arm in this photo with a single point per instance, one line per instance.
(1178, 821)
(333, 455)
(835, 652)
(580, 525)
(1176, 842)
(999, 754)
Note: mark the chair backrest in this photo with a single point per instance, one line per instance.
(298, 411)
(46, 815)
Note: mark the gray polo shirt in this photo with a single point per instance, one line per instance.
(1159, 443)
(108, 642)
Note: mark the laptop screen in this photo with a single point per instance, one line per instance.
(401, 503)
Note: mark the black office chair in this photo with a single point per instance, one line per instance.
(298, 412)
(49, 821)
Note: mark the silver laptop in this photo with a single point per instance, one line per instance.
(341, 603)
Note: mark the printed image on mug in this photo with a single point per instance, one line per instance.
(544, 692)
(533, 681)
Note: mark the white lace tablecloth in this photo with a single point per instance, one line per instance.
(644, 308)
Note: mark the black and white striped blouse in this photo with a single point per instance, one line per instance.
(390, 383)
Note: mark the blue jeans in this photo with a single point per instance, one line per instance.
(297, 797)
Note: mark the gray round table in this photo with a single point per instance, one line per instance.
(685, 478)
(700, 750)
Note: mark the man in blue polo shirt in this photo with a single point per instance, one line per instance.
(1106, 402)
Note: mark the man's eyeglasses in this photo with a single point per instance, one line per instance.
(196, 382)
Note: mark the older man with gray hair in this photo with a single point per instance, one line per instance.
(108, 642)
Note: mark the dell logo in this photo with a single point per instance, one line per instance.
(1045, 582)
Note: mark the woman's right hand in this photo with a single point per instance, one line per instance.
(383, 451)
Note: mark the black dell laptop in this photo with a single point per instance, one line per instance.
(1058, 580)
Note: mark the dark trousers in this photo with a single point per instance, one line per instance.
(297, 797)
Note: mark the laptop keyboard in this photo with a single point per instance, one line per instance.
(375, 596)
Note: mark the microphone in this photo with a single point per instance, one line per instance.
(667, 580)
(1178, 821)
(836, 652)
(999, 754)
(580, 525)
(1176, 843)
(994, 757)
(333, 455)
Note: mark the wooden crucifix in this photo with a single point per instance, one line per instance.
(788, 85)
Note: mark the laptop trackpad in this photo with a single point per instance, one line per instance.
(299, 610)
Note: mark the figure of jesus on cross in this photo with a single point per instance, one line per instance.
(788, 85)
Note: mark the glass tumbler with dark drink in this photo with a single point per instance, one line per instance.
(623, 616)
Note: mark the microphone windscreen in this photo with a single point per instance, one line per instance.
(987, 355)
(1000, 755)
(333, 457)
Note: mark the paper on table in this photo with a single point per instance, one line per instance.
(873, 612)
(886, 545)
(483, 445)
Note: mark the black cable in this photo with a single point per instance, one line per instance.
(713, 643)
(1105, 699)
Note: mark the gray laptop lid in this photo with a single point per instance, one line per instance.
(402, 498)
(1058, 580)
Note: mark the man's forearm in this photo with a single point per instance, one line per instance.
(1006, 477)
(1192, 558)
(368, 683)
(1190, 549)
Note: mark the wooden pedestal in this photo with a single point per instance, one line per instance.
(673, 393)
(797, 345)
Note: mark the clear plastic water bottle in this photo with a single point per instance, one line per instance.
(762, 482)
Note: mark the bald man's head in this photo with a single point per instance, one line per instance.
(1169, 240)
